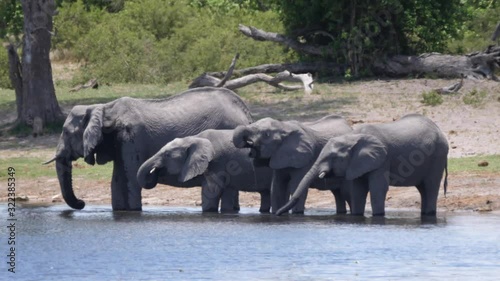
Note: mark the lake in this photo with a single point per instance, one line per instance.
(167, 243)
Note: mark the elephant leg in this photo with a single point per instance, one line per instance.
(429, 195)
(278, 191)
(378, 186)
(299, 208)
(230, 201)
(345, 191)
(210, 197)
(119, 194)
(132, 160)
(358, 196)
(431, 185)
(265, 201)
(423, 201)
(339, 201)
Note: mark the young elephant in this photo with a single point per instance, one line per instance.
(290, 148)
(208, 159)
(409, 152)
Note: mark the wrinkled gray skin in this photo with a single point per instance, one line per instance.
(209, 159)
(411, 151)
(290, 148)
(128, 131)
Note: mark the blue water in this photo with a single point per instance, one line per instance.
(54, 243)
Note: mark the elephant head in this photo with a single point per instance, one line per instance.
(282, 144)
(349, 156)
(82, 136)
(186, 157)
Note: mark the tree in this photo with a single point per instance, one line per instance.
(32, 75)
(357, 32)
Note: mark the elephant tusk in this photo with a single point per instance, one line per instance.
(249, 142)
(152, 170)
(50, 161)
(322, 175)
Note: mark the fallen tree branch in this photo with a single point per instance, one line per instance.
(451, 89)
(229, 72)
(261, 35)
(301, 67)
(206, 79)
(478, 65)
(307, 81)
(92, 83)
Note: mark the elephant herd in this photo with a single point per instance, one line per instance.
(206, 137)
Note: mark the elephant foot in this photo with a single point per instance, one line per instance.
(210, 210)
(341, 212)
(428, 214)
(265, 210)
(230, 211)
(378, 214)
(298, 212)
(120, 209)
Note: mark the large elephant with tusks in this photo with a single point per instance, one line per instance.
(128, 131)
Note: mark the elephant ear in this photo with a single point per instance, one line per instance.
(367, 154)
(199, 155)
(92, 135)
(295, 151)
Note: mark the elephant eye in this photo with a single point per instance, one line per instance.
(267, 134)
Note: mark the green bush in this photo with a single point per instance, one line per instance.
(73, 22)
(116, 54)
(477, 30)
(156, 41)
(474, 97)
(431, 98)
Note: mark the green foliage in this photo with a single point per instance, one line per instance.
(4, 69)
(359, 32)
(73, 22)
(11, 18)
(474, 97)
(431, 98)
(477, 30)
(157, 41)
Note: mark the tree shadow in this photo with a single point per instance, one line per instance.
(300, 109)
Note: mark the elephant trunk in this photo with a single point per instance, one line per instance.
(147, 175)
(303, 185)
(64, 174)
(240, 136)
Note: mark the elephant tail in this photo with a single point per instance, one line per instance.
(445, 178)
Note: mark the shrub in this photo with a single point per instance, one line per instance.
(115, 53)
(474, 97)
(73, 22)
(431, 98)
(156, 41)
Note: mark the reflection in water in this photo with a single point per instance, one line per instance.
(182, 244)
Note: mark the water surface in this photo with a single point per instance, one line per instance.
(55, 243)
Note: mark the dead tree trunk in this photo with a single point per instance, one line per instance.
(480, 65)
(38, 99)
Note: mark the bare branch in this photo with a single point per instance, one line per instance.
(302, 67)
(229, 72)
(261, 35)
